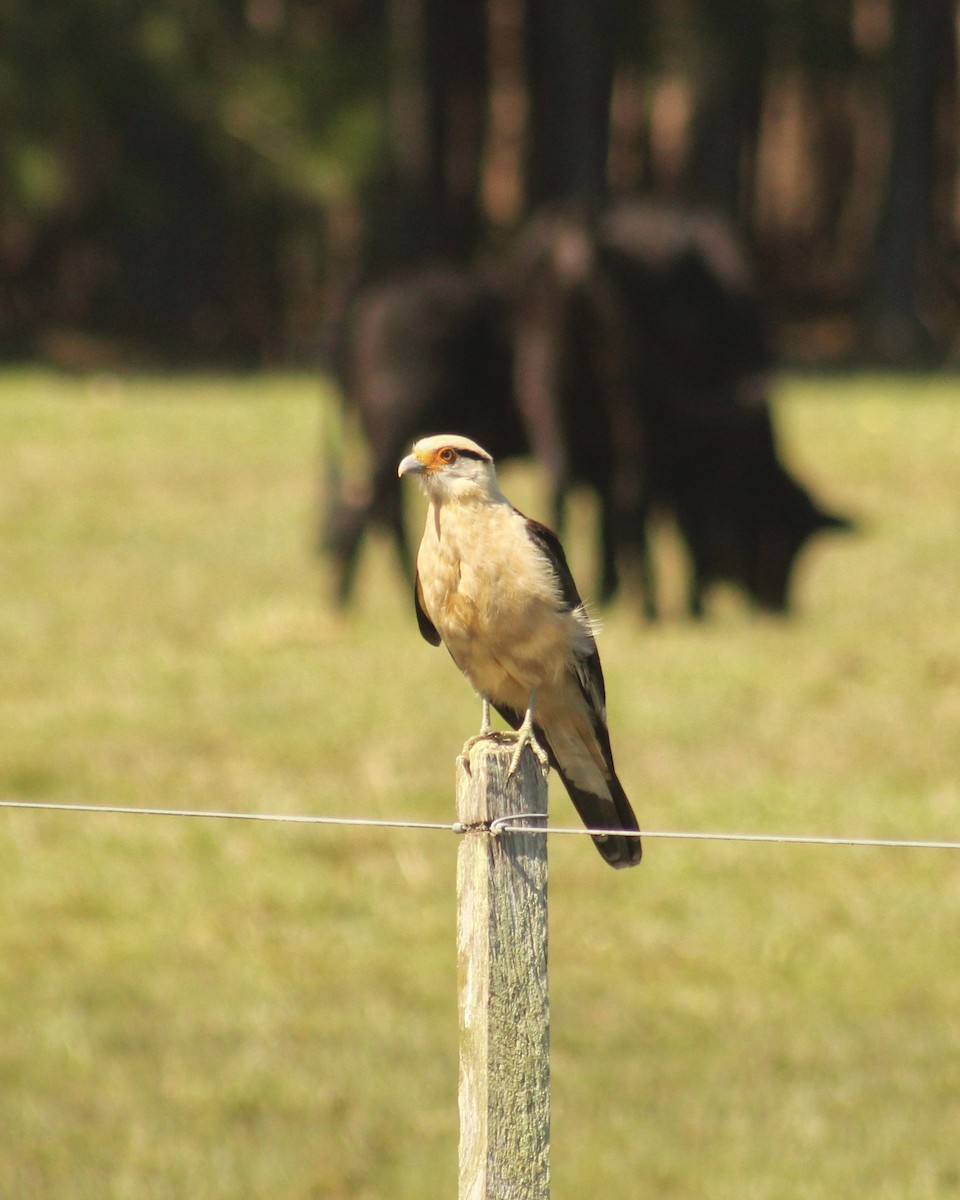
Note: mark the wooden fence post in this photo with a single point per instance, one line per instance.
(502, 970)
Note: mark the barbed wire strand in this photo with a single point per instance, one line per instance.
(516, 823)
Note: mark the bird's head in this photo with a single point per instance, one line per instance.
(451, 467)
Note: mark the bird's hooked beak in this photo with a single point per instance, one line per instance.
(411, 465)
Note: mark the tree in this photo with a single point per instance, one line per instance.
(570, 48)
(923, 74)
(425, 201)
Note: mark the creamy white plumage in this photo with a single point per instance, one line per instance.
(495, 588)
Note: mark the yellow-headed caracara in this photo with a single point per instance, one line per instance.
(495, 588)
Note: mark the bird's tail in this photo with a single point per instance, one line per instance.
(611, 810)
(582, 758)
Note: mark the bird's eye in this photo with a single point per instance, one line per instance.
(447, 455)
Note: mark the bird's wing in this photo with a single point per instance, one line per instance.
(427, 627)
(589, 671)
(602, 804)
(548, 544)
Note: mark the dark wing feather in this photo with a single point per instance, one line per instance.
(549, 544)
(595, 811)
(427, 627)
(589, 671)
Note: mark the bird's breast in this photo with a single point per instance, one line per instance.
(493, 599)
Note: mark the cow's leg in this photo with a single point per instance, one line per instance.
(558, 506)
(647, 570)
(696, 586)
(386, 509)
(394, 521)
(609, 579)
(343, 534)
(347, 525)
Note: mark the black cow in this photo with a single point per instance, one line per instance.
(574, 377)
(743, 517)
(426, 353)
(470, 352)
(700, 359)
(627, 348)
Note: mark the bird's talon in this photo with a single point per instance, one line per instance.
(482, 736)
(525, 738)
(486, 730)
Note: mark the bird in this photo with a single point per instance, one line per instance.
(494, 587)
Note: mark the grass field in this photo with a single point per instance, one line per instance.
(244, 1011)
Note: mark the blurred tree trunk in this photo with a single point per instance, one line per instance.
(924, 63)
(430, 201)
(457, 79)
(570, 50)
(727, 120)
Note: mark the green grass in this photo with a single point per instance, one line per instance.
(233, 1010)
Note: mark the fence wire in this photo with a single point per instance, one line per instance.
(516, 823)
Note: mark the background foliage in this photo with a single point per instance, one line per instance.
(208, 182)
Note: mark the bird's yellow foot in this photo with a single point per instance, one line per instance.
(486, 729)
(526, 737)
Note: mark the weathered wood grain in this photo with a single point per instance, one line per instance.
(502, 963)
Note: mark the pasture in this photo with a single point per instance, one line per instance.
(245, 1011)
